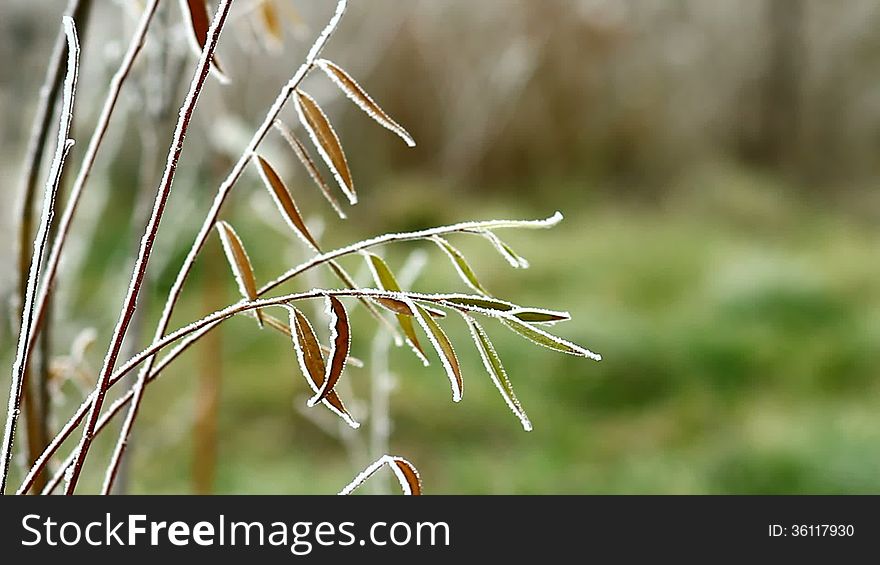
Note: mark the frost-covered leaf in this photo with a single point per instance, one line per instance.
(548, 340)
(387, 281)
(284, 202)
(199, 23)
(340, 345)
(495, 307)
(240, 263)
(360, 97)
(279, 326)
(405, 472)
(303, 155)
(315, 121)
(496, 371)
(511, 256)
(462, 267)
(443, 347)
(311, 362)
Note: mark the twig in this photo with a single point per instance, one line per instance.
(130, 303)
(211, 219)
(62, 147)
(51, 268)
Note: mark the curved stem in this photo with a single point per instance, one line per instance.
(208, 225)
(464, 227)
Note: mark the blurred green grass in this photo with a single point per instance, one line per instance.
(739, 326)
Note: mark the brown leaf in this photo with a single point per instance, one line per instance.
(285, 202)
(303, 155)
(240, 264)
(311, 362)
(403, 470)
(326, 141)
(199, 23)
(283, 328)
(340, 345)
(359, 96)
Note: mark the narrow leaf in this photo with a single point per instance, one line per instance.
(315, 121)
(340, 345)
(548, 340)
(461, 265)
(386, 279)
(357, 95)
(311, 362)
(240, 263)
(443, 347)
(199, 23)
(303, 155)
(405, 472)
(496, 371)
(495, 307)
(511, 256)
(284, 202)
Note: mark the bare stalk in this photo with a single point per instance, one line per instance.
(51, 268)
(63, 145)
(35, 416)
(140, 268)
(208, 225)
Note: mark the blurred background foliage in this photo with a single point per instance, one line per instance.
(716, 163)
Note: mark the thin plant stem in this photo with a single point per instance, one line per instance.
(208, 225)
(63, 145)
(116, 83)
(140, 268)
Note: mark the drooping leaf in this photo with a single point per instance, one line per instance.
(315, 121)
(240, 263)
(284, 202)
(303, 155)
(279, 326)
(311, 362)
(442, 345)
(387, 281)
(199, 23)
(511, 256)
(340, 345)
(363, 100)
(496, 371)
(548, 340)
(405, 472)
(462, 267)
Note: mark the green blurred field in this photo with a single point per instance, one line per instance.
(740, 329)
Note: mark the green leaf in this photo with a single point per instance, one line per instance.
(386, 279)
(496, 371)
(548, 340)
(461, 265)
